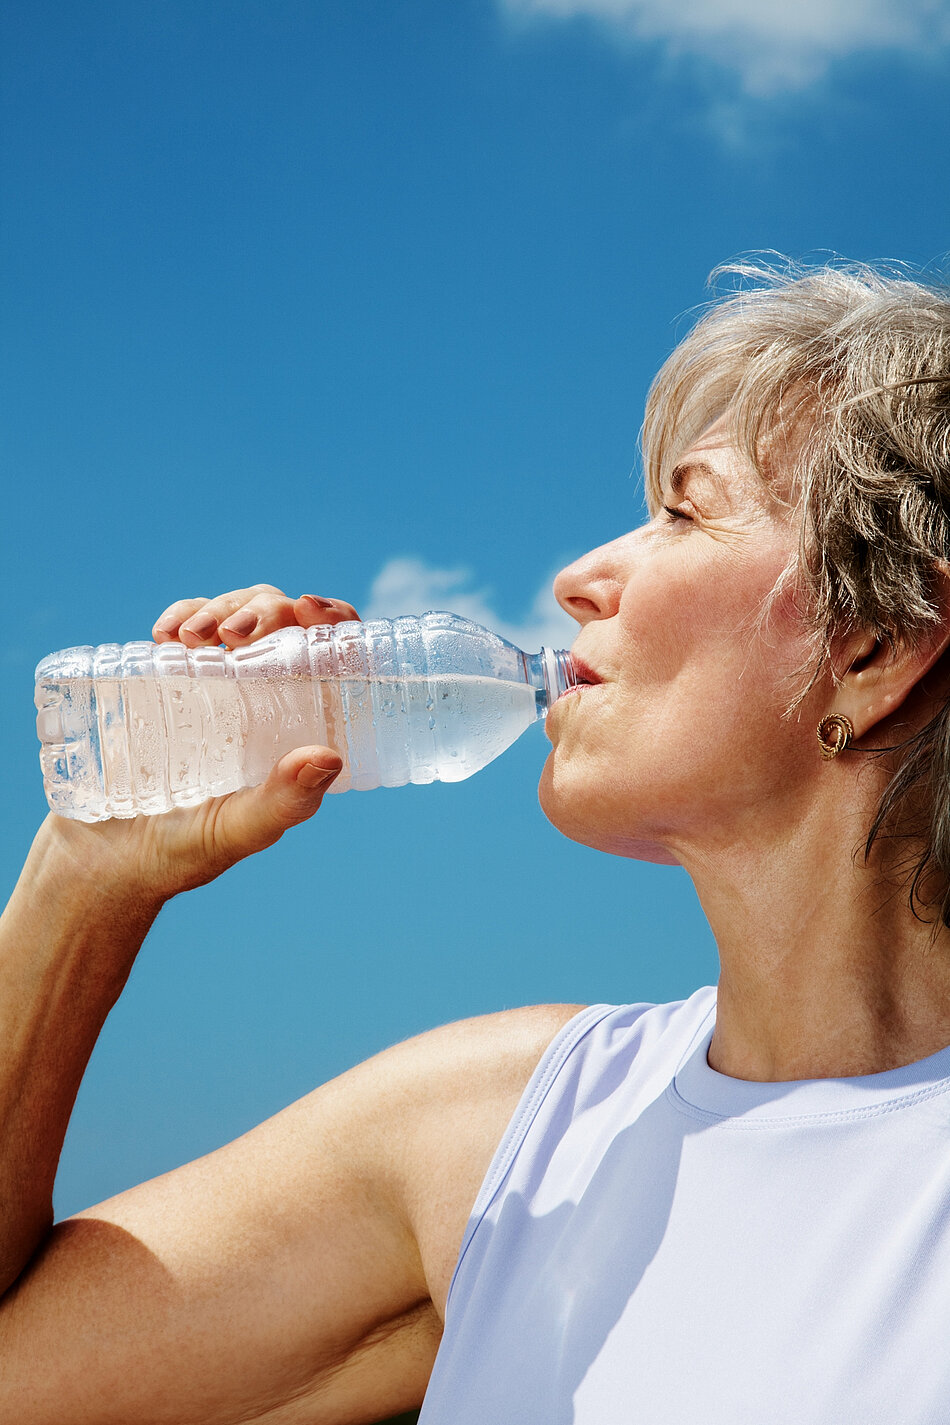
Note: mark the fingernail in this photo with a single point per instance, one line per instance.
(201, 625)
(310, 775)
(240, 624)
(167, 624)
(320, 603)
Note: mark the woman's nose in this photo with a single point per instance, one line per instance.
(590, 588)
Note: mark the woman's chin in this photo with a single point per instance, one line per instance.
(581, 818)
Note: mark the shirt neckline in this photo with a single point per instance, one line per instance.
(703, 1089)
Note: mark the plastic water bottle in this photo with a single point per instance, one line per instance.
(144, 727)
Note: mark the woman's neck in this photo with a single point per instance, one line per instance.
(826, 972)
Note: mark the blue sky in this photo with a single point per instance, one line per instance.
(362, 297)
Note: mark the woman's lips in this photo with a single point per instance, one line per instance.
(586, 677)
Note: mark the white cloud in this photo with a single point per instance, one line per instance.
(773, 45)
(410, 586)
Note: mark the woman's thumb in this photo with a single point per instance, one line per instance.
(259, 816)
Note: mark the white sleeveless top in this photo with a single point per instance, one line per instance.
(657, 1244)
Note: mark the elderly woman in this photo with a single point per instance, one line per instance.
(734, 1208)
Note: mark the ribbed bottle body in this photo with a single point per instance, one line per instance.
(141, 728)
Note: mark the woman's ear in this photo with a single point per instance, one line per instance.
(875, 678)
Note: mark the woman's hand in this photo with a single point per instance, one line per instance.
(155, 857)
(148, 859)
(245, 615)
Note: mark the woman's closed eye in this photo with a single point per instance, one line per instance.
(677, 512)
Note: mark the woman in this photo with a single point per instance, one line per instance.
(734, 1208)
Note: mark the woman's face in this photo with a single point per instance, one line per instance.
(681, 739)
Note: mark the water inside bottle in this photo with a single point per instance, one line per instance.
(155, 743)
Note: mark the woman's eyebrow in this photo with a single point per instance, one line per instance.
(682, 473)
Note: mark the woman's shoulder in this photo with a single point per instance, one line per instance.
(455, 1087)
(481, 1066)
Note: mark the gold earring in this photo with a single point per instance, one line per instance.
(835, 733)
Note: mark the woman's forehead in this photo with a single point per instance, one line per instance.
(717, 459)
(714, 459)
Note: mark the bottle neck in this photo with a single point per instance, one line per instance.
(551, 672)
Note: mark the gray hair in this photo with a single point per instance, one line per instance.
(854, 362)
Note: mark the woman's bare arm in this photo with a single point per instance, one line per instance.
(297, 1274)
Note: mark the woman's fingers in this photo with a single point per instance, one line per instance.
(244, 615)
(266, 610)
(166, 626)
(309, 610)
(212, 622)
(248, 613)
